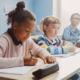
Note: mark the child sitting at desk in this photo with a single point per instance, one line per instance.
(72, 33)
(15, 44)
(50, 41)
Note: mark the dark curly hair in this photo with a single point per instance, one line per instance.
(20, 14)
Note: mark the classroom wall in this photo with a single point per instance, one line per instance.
(42, 8)
(68, 7)
(5, 7)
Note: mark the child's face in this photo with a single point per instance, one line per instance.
(52, 30)
(75, 20)
(23, 31)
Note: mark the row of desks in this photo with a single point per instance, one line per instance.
(67, 67)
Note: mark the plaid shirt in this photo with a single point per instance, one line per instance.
(70, 34)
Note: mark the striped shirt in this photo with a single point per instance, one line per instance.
(57, 46)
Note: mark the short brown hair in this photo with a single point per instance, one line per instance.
(74, 14)
(50, 19)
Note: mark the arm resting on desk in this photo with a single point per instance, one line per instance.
(11, 62)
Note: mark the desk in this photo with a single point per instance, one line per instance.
(68, 67)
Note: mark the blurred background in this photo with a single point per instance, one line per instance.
(62, 9)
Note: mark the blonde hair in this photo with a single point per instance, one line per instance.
(50, 19)
(41, 25)
(74, 14)
(41, 22)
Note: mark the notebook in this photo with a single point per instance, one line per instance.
(19, 70)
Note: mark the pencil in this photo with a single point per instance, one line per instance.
(76, 42)
(31, 53)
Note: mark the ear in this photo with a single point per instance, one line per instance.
(15, 25)
(45, 27)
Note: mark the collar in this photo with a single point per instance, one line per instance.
(73, 29)
(16, 42)
(52, 43)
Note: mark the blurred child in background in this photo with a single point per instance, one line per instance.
(50, 42)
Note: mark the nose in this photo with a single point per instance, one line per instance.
(56, 29)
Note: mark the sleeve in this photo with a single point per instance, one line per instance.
(37, 50)
(53, 50)
(65, 43)
(67, 36)
(8, 62)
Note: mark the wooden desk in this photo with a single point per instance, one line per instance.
(68, 67)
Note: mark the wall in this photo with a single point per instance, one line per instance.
(68, 7)
(42, 8)
(5, 7)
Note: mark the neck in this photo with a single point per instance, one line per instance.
(74, 27)
(50, 38)
(14, 33)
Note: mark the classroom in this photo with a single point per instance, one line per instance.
(39, 40)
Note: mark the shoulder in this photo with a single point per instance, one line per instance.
(58, 39)
(68, 28)
(4, 39)
(29, 40)
(41, 38)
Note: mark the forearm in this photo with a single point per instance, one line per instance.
(11, 62)
(58, 50)
(65, 50)
(43, 53)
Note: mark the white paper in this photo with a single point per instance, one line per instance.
(19, 70)
(69, 53)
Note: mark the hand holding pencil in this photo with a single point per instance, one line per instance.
(30, 60)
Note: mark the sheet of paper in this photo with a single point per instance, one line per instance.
(19, 70)
(69, 53)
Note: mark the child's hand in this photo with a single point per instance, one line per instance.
(49, 59)
(71, 48)
(30, 61)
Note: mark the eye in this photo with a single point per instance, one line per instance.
(27, 31)
(58, 28)
(53, 27)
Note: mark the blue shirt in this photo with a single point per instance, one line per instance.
(70, 34)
